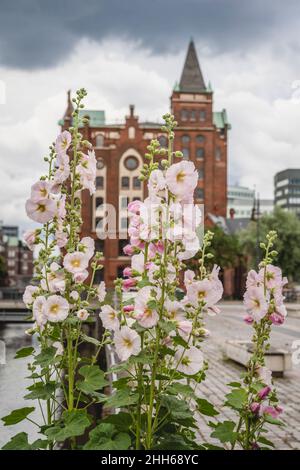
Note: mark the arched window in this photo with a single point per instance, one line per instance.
(99, 140)
(186, 154)
(202, 115)
(131, 163)
(200, 153)
(163, 141)
(200, 139)
(185, 139)
(184, 115)
(200, 174)
(199, 193)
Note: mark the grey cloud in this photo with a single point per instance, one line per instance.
(41, 33)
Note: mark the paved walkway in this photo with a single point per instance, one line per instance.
(229, 325)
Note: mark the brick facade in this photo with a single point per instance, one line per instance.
(201, 135)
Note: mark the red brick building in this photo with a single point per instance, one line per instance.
(201, 135)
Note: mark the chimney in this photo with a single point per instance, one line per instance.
(131, 110)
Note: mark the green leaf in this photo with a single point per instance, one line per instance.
(264, 440)
(17, 416)
(179, 388)
(18, 442)
(106, 437)
(40, 391)
(152, 304)
(179, 410)
(122, 421)
(93, 379)
(73, 424)
(89, 339)
(46, 357)
(234, 384)
(225, 432)
(143, 283)
(236, 399)
(24, 352)
(121, 398)
(269, 419)
(206, 408)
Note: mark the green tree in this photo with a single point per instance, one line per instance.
(225, 248)
(287, 226)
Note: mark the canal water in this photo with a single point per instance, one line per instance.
(13, 382)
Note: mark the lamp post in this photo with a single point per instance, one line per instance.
(255, 217)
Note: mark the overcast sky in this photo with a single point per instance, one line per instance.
(132, 52)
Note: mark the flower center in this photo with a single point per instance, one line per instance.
(43, 192)
(148, 312)
(41, 208)
(180, 176)
(186, 361)
(75, 263)
(54, 308)
(127, 343)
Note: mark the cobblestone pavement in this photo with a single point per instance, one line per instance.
(229, 325)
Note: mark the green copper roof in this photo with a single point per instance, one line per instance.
(96, 118)
(220, 119)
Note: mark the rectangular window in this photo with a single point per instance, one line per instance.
(193, 115)
(124, 202)
(124, 223)
(218, 154)
(125, 182)
(99, 201)
(202, 115)
(201, 173)
(136, 183)
(199, 193)
(186, 153)
(200, 153)
(99, 182)
(184, 115)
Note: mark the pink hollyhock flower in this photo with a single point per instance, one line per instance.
(276, 318)
(189, 276)
(190, 360)
(83, 314)
(41, 211)
(87, 171)
(145, 316)
(156, 182)
(273, 411)
(255, 303)
(89, 246)
(109, 318)
(38, 311)
(59, 348)
(137, 263)
(264, 392)
(253, 279)
(134, 207)
(174, 310)
(28, 296)
(127, 343)
(63, 142)
(265, 375)
(273, 276)
(29, 238)
(255, 407)
(80, 276)
(206, 291)
(128, 250)
(56, 308)
(101, 291)
(182, 178)
(184, 328)
(61, 238)
(248, 319)
(62, 172)
(61, 207)
(129, 283)
(127, 272)
(74, 295)
(128, 308)
(76, 262)
(55, 279)
(40, 190)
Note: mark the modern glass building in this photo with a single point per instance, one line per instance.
(287, 190)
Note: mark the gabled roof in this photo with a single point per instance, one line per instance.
(191, 77)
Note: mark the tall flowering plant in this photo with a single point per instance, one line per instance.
(254, 399)
(64, 384)
(157, 328)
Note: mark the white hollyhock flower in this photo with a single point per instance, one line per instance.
(76, 262)
(83, 314)
(190, 360)
(59, 348)
(38, 311)
(28, 294)
(74, 295)
(101, 291)
(127, 343)
(56, 308)
(89, 246)
(109, 318)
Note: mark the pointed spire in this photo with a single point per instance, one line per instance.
(69, 110)
(191, 77)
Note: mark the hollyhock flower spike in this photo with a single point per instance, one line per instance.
(63, 295)
(263, 301)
